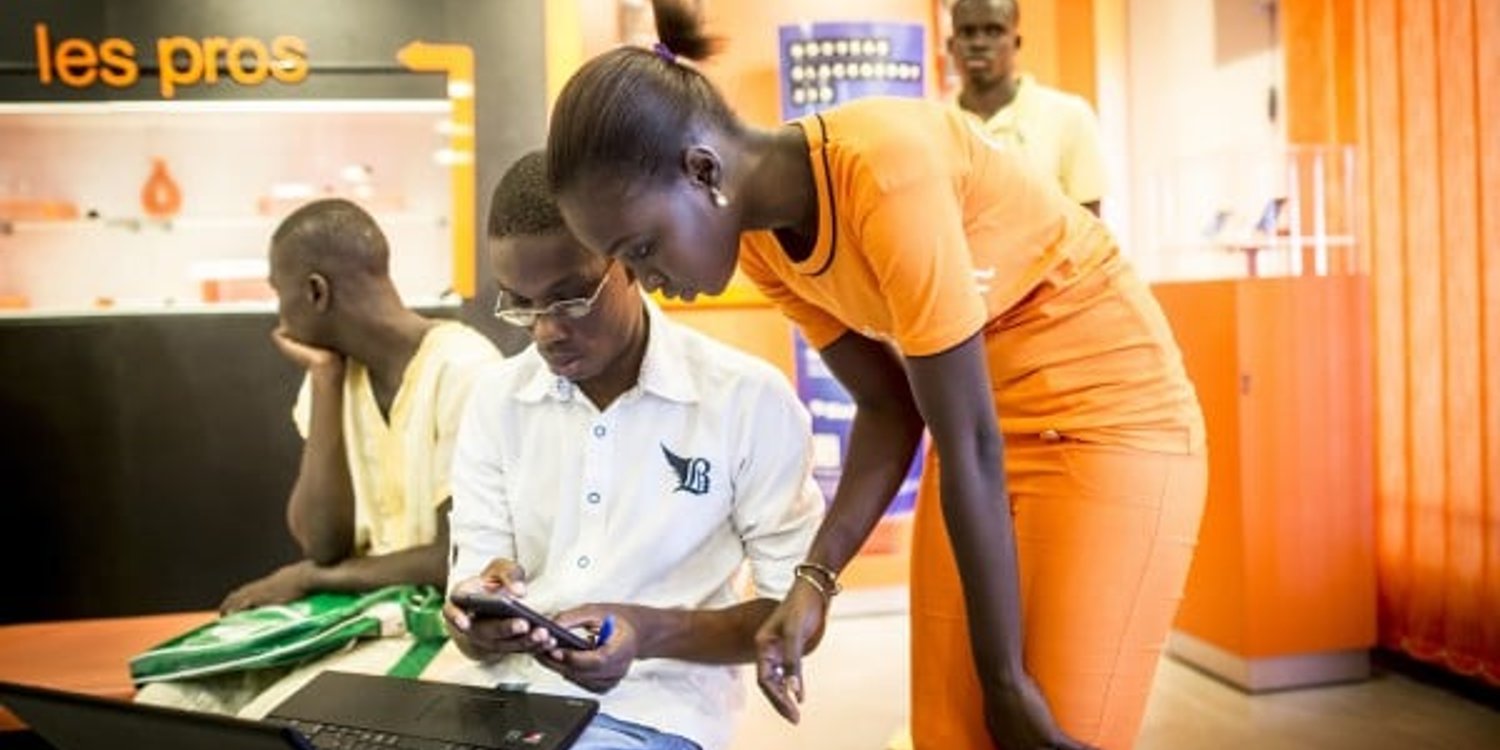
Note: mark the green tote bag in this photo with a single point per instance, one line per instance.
(289, 634)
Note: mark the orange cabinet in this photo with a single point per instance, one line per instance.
(1282, 590)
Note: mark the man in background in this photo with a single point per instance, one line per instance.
(1055, 130)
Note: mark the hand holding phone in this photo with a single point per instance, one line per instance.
(502, 604)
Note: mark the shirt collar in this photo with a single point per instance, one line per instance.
(1006, 117)
(664, 371)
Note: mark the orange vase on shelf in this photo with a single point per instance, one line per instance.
(160, 196)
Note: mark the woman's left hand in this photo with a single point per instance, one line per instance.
(1018, 716)
(600, 669)
(790, 632)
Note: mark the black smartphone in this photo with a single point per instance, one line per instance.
(500, 604)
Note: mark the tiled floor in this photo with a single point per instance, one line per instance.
(857, 692)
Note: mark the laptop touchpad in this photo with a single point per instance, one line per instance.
(471, 718)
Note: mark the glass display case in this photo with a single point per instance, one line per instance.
(1251, 213)
(169, 206)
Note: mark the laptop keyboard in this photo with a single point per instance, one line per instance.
(335, 737)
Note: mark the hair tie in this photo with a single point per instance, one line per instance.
(664, 52)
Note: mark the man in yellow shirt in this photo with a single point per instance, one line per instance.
(379, 412)
(1055, 130)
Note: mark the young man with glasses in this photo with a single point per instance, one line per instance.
(624, 468)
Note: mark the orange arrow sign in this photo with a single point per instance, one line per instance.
(457, 61)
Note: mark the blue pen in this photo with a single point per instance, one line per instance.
(606, 629)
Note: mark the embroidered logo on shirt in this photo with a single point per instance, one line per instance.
(692, 473)
(982, 279)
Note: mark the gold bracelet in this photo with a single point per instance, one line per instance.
(830, 578)
(817, 585)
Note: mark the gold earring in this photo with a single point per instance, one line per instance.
(720, 199)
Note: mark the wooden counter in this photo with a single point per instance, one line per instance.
(1282, 590)
(84, 656)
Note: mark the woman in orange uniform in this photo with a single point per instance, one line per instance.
(944, 284)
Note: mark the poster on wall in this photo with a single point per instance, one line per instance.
(832, 415)
(821, 65)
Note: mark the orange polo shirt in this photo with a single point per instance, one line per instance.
(928, 233)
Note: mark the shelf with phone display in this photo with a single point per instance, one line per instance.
(198, 187)
(134, 344)
(184, 223)
(1271, 233)
(1254, 213)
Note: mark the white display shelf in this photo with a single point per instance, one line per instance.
(144, 307)
(190, 223)
(1285, 210)
(234, 163)
(262, 106)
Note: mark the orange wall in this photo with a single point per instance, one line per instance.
(758, 329)
(1319, 46)
(1072, 46)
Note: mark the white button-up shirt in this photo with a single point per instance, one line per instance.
(659, 500)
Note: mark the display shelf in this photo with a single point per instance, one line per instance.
(146, 307)
(190, 223)
(162, 190)
(268, 106)
(1287, 210)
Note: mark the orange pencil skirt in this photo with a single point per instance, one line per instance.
(1104, 537)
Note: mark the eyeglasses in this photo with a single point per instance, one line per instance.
(568, 309)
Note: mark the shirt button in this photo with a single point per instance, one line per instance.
(1051, 436)
(594, 498)
(599, 430)
(583, 562)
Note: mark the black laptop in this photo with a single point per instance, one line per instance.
(432, 715)
(334, 710)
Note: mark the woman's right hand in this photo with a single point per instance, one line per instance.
(791, 631)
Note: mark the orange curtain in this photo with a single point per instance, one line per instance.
(1416, 84)
(1427, 89)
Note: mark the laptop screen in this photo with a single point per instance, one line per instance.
(71, 721)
